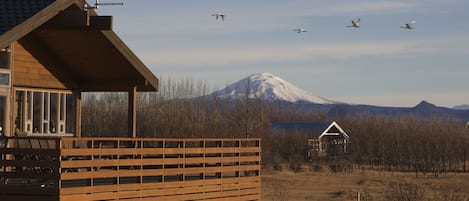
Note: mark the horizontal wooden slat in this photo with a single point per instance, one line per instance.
(30, 163)
(153, 172)
(35, 175)
(28, 190)
(17, 151)
(156, 161)
(184, 193)
(153, 151)
(243, 182)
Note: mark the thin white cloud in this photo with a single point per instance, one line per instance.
(248, 18)
(214, 56)
(363, 8)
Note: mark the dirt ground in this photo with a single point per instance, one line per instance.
(372, 185)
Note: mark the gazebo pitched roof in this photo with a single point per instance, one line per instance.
(90, 52)
(315, 129)
(310, 128)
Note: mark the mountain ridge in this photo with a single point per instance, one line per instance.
(267, 86)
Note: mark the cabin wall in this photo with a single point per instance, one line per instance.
(36, 67)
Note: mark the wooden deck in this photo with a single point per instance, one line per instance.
(66, 168)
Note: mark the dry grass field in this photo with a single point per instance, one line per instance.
(372, 185)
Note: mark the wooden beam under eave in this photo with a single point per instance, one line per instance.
(75, 18)
(132, 120)
(100, 23)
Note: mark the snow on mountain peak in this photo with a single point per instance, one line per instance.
(270, 87)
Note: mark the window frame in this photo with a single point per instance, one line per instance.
(48, 122)
(7, 71)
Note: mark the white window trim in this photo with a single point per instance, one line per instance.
(45, 119)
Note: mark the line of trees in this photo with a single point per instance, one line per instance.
(408, 144)
(182, 109)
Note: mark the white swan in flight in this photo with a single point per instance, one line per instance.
(219, 15)
(300, 30)
(355, 23)
(409, 25)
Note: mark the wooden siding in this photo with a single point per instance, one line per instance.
(41, 70)
(130, 168)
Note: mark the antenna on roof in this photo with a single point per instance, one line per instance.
(97, 4)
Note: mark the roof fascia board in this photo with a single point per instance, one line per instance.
(338, 127)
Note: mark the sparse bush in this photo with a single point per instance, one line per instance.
(278, 191)
(454, 195)
(404, 192)
(339, 165)
(295, 165)
(316, 167)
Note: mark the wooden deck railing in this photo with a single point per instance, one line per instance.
(130, 168)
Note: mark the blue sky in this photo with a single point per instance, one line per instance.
(377, 64)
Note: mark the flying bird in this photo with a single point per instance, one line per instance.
(355, 23)
(219, 15)
(300, 30)
(409, 25)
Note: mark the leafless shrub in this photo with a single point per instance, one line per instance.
(426, 146)
(455, 195)
(277, 191)
(404, 192)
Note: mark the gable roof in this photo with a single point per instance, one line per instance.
(95, 57)
(311, 128)
(315, 129)
(334, 129)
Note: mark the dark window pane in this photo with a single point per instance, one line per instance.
(4, 60)
(4, 79)
(71, 114)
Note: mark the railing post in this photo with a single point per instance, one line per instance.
(220, 156)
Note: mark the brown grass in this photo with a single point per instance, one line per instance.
(372, 185)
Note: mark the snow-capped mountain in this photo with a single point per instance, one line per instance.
(270, 87)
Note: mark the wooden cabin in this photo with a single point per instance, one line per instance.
(325, 139)
(51, 51)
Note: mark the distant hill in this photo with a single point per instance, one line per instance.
(423, 109)
(271, 88)
(461, 107)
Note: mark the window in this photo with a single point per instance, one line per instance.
(44, 112)
(5, 66)
(5, 58)
(4, 79)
